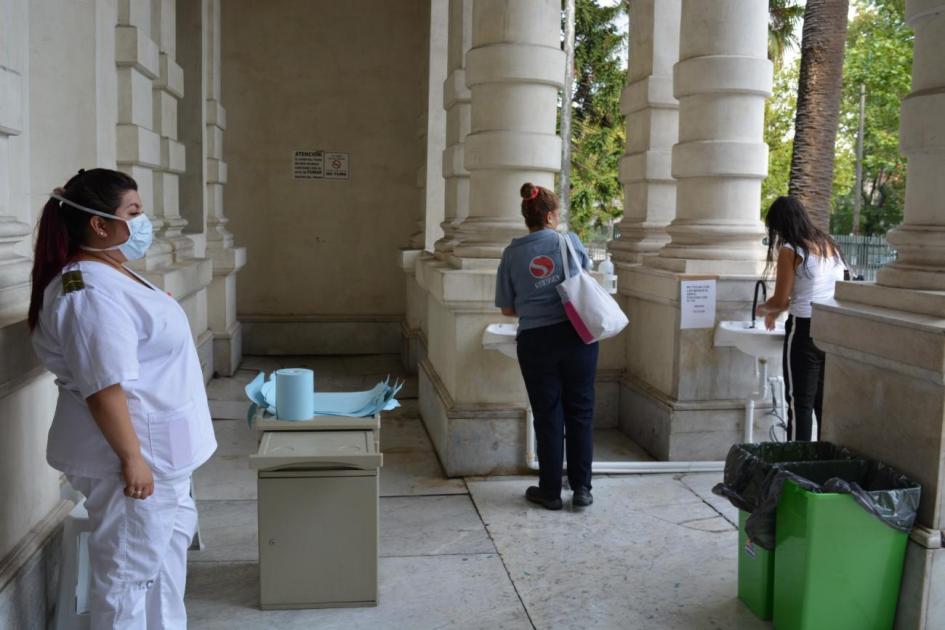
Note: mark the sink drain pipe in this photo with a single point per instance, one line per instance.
(629, 468)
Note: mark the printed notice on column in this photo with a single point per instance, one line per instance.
(697, 303)
(308, 164)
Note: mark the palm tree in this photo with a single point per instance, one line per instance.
(783, 16)
(818, 106)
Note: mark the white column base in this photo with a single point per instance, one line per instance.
(228, 350)
(885, 382)
(682, 398)
(921, 598)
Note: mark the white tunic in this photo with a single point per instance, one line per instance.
(115, 330)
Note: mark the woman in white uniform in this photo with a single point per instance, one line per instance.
(132, 421)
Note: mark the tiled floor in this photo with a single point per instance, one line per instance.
(653, 552)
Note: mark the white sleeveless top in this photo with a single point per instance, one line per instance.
(814, 281)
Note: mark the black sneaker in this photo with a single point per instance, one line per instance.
(582, 498)
(534, 495)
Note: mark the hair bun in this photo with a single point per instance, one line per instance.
(527, 190)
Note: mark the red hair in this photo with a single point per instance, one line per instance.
(537, 202)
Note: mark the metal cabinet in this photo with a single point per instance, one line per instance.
(318, 518)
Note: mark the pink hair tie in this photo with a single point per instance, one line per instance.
(535, 191)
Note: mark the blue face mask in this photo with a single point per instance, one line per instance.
(140, 232)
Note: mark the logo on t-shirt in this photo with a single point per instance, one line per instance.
(541, 267)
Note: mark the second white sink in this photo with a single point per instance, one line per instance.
(756, 342)
(501, 337)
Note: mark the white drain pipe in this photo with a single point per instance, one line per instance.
(636, 468)
(496, 337)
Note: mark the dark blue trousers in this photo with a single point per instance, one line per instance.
(559, 371)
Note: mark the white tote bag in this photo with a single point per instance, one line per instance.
(593, 313)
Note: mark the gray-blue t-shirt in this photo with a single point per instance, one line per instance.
(528, 274)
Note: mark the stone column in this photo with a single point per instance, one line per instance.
(722, 80)
(149, 85)
(920, 239)
(15, 200)
(885, 342)
(227, 258)
(29, 488)
(168, 89)
(138, 147)
(652, 117)
(681, 397)
(473, 400)
(418, 238)
(431, 133)
(456, 101)
(514, 71)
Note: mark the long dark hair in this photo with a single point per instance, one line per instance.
(537, 203)
(62, 228)
(788, 223)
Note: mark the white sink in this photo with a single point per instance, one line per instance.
(756, 342)
(501, 338)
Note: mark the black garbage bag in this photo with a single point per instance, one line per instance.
(747, 467)
(879, 489)
(882, 491)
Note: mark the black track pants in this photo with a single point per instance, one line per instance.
(804, 375)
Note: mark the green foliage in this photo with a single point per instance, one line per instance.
(779, 132)
(879, 56)
(598, 136)
(783, 15)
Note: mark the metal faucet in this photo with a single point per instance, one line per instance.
(754, 302)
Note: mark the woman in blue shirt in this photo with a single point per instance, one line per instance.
(558, 368)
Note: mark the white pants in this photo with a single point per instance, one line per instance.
(138, 553)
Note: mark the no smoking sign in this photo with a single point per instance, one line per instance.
(337, 165)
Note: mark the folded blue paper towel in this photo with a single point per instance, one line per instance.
(265, 393)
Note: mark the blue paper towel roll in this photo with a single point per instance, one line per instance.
(294, 389)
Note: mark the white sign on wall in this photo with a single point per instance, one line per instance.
(697, 303)
(308, 164)
(337, 165)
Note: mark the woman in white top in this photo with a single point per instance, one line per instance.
(132, 421)
(809, 264)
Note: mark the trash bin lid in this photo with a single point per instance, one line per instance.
(317, 450)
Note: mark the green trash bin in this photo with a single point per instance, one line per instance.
(838, 566)
(835, 527)
(755, 573)
(746, 469)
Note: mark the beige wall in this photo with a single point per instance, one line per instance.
(323, 75)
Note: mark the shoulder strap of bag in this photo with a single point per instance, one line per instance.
(564, 240)
(565, 246)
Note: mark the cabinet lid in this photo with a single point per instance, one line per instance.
(317, 450)
(265, 422)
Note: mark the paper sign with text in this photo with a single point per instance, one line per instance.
(697, 303)
(308, 164)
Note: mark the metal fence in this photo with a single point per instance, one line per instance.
(865, 254)
(597, 250)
